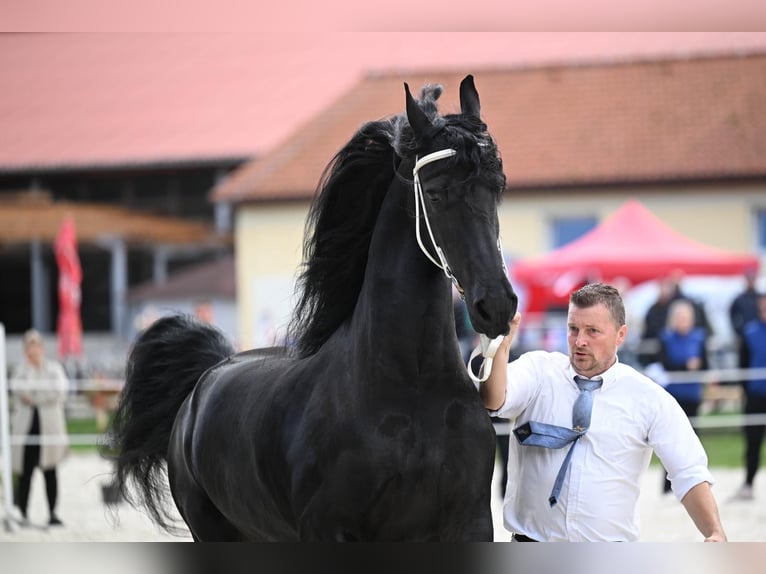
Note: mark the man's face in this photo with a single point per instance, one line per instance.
(682, 319)
(592, 338)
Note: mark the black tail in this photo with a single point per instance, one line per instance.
(163, 367)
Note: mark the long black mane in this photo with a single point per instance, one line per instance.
(342, 217)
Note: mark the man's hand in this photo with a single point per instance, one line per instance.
(716, 537)
(505, 346)
(492, 391)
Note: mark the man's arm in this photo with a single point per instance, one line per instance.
(701, 506)
(492, 391)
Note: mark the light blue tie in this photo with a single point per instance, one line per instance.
(552, 436)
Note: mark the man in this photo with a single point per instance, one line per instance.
(683, 349)
(754, 334)
(743, 309)
(657, 317)
(588, 490)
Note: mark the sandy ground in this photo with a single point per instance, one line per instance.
(87, 518)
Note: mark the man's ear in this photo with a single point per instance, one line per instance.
(621, 333)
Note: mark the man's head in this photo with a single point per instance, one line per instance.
(670, 285)
(595, 328)
(751, 277)
(33, 347)
(681, 316)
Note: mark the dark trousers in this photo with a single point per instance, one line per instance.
(31, 460)
(753, 437)
(690, 408)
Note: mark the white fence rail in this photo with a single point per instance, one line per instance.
(114, 386)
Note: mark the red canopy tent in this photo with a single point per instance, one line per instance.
(631, 245)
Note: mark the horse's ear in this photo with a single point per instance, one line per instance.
(469, 97)
(415, 115)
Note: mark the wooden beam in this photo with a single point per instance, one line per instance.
(23, 220)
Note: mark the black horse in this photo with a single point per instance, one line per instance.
(366, 427)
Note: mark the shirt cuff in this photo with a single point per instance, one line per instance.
(683, 484)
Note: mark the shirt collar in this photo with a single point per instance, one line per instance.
(609, 376)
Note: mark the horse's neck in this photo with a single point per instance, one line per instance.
(403, 319)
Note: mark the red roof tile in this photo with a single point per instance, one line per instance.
(657, 120)
(215, 278)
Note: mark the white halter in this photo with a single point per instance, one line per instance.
(418, 190)
(487, 347)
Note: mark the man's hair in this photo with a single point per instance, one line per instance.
(595, 293)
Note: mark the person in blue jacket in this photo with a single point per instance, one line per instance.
(755, 397)
(683, 349)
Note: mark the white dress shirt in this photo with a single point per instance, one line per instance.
(631, 416)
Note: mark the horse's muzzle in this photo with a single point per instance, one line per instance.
(491, 313)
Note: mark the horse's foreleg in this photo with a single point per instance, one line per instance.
(466, 512)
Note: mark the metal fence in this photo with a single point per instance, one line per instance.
(79, 405)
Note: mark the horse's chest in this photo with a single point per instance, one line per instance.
(454, 429)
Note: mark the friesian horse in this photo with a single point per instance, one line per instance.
(366, 426)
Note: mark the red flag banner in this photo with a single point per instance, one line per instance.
(69, 327)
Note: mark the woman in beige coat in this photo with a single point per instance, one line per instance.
(39, 389)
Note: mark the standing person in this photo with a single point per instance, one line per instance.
(39, 387)
(755, 398)
(743, 309)
(588, 489)
(656, 317)
(683, 349)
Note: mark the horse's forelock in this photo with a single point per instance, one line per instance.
(431, 92)
(427, 102)
(401, 136)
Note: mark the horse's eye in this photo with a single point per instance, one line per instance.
(433, 196)
(436, 194)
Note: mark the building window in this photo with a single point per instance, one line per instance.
(567, 229)
(760, 222)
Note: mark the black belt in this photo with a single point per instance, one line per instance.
(522, 538)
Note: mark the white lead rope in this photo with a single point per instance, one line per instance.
(486, 347)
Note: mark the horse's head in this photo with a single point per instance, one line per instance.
(459, 180)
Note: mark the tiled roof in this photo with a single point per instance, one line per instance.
(662, 120)
(215, 278)
(74, 101)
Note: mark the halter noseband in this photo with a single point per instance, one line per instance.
(418, 190)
